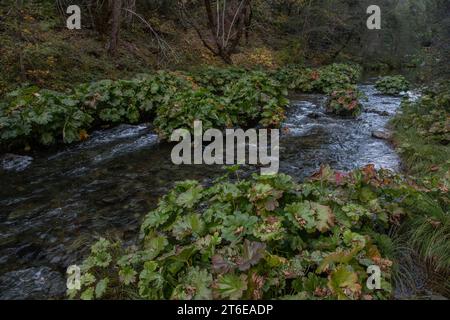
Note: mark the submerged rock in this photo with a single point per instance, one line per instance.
(33, 283)
(383, 113)
(315, 115)
(14, 162)
(381, 134)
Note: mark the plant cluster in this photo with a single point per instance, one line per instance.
(219, 97)
(336, 80)
(392, 85)
(321, 80)
(172, 100)
(265, 237)
(46, 117)
(43, 116)
(344, 102)
(240, 99)
(132, 100)
(257, 96)
(187, 106)
(217, 79)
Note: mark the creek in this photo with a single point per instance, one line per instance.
(53, 206)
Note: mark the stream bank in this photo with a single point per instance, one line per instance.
(57, 204)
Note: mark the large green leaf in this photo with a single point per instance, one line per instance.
(231, 286)
(310, 216)
(343, 282)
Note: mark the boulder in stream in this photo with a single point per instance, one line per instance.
(382, 134)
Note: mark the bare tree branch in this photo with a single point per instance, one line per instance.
(164, 48)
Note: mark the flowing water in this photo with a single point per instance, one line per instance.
(56, 204)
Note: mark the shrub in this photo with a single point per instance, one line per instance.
(265, 237)
(344, 102)
(296, 78)
(392, 85)
(128, 100)
(423, 134)
(217, 79)
(335, 77)
(256, 96)
(322, 80)
(187, 106)
(173, 99)
(47, 116)
(44, 116)
(111, 101)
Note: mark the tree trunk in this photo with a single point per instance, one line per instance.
(115, 26)
(227, 23)
(226, 57)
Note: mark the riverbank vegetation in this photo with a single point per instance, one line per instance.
(392, 85)
(171, 100)
(263, 237)
(422, 138)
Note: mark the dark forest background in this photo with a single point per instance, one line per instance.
(123, 37)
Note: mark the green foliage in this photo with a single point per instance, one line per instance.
(344, 282)
(188, 106)
(128, 100)
(231, 286)
(296, 77)
(422, 135)
(173, 100)
(218, 97)
(42, 116)
(337, 76)
(260, 238)
(249, 96)
(392, 85)
(321, 80)
(257, 96)
(344, 102)
(338, 80)
(310, 216)
(217, 79)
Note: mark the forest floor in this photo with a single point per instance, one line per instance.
(38, 49)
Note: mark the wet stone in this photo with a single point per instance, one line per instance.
(314, 115)
(382, 113)
(381, 134)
